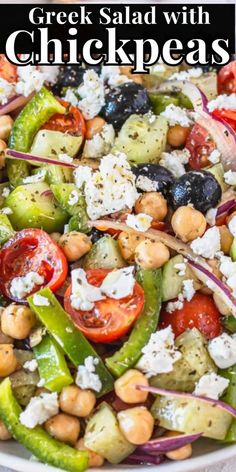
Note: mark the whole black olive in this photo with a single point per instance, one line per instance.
(162, 178)
(197, 187)
(95, 235)
(123, 101)
(71, 76)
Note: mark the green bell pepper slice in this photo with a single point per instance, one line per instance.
(230, 398)
(146, 324)
(52, 366)
(37, 112)
(229, 323)
(71, 340)
(37, 440)
(160, 102)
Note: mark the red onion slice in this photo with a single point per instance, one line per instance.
(165, 444)
(189, 396)
(13, 103)
(12, 153)
(226, 207)
(141, 458)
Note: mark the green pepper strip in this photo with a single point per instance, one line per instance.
(37, 112)
(129, 354)
(52, 366)
(71, 340)
(229, 323)
(37, 440)
(230, 398)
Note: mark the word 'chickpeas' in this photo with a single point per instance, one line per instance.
(75, 401)
(188, 223)
(125, 387)
(136, 424)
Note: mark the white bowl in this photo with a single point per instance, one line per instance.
(206, 454)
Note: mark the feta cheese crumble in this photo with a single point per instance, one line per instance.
(232, 226)
(146, 184)
(194, 73)
(83, 294)
(65, 158)
(222, 350)
(6, 211)
(31, 365)
(181, 268)
(71, 97)
(228, 269)
(211, 216)
(208, 245)
(230, 177)
(92, 94)
(109, 189)
(39, 300)
(21, 286)
(5, 192)
(33, 179)
(30, 80)
(140, 222)
(119, 283)
(175, 161)
(40, 409)
(188, 289)
(214, 157)
(86, 377)
(159, 354)
(101, 143)
(112, 75)
(176, 305)
(228, 102)
(177, 116)
(7, 91)
(211, 385)
(73, 198)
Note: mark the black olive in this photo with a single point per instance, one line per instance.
(95, 235)
(197, 187)
(23, 344)
(161, 176)
(71, 76)
(123, 101)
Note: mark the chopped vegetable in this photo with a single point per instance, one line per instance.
(6, 230)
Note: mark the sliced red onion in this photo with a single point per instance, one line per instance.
(142, 458)
(13, 103)
(226, 207)
(169, 443)
(43, 160)
(188, 396)
(47, 193)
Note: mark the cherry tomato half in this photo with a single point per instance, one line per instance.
(8, 71)
(227, 79)
(72, 122)
(110, 319)
(32, 250)
(200, 145)
(229, 116)
(200, 313)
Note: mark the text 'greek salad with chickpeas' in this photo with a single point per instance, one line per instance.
(117, 262)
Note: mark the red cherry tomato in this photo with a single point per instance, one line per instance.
(8, 71)
(32, 250)
(229, 116)
(200, 145)
(110, 319)
(227, 79)
(200, 313)
(72, 122)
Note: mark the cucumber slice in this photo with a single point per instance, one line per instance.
(103, 436)
(77, 211)
(33, 206)
(48, 143)
(6, 230)
(194, 363)
(218, 171)
(142, 139)
(105, 254)
(160, 102)
(172, 281)
(191, 416)
(5, 185)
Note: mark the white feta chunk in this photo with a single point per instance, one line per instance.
(159, 354)
(7, 91)
(228, 102)
(73, 198)
(181, 268)
(119, 283)
(230, 177)
(71, 97)
(211, 386)
(101, 143)
(214, 157)
(92, 94)
(211, 216)
(30, 80)
(176, 305)
(232, 226)
(208, 245)
(86, 377)
(5, 192)
(194, 72)
(31, 365)
(146, 184)
(33, 179)
(113, 76)
(188, 289)
(40, 409)
(21, 286)
(39, 300)
(177, 116)
(83, 294)
(175, 161)
(50, 73)
(140, 222)
(65, 158)
(6, 211)
(222, 350)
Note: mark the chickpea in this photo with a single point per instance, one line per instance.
(151, 255)
(77, 402)
(226, 239)
(188, 223)
(2, 153)
(127, 70)
(95, 460)
(6, 123)
(94, 126)
(125, 387)
(153, 204)
(63, 427)
(128, 241)
(8, 360)
(177, 136)
(56, 237)
(136, 424)
(75, 245)
(180, 454)
(4, 433)
(17, 321)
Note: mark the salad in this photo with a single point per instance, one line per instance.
(117, 262)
